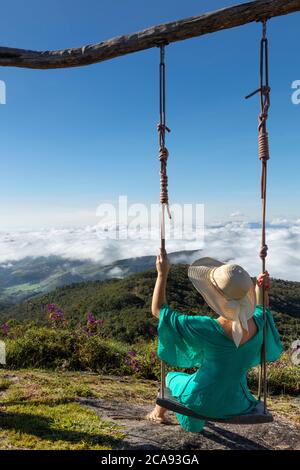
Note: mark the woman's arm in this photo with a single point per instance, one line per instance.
(263, 283)
(159, 293)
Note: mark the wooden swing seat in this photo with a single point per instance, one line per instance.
(256, 416)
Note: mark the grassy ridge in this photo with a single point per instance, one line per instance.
(124, 304)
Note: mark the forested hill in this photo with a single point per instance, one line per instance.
(124, 304)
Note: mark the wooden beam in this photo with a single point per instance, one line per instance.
(170, 32)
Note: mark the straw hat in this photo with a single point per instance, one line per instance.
(228, 290)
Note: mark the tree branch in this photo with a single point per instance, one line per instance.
(169, 32)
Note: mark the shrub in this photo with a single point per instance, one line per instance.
(148, 360)
(42, 347)
(62, 348)
(283, 377)
(97, 354)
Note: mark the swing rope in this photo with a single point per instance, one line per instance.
(163, 158)
(264, 155)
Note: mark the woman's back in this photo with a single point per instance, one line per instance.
(247, 335)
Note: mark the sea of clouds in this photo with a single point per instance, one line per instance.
(235, 241)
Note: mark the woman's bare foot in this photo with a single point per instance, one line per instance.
(158, 415)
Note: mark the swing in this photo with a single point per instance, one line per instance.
(260, 414)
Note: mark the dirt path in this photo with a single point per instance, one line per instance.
(142, 434)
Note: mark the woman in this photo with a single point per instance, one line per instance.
(224, 349)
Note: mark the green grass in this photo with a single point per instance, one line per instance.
(66, 426)
(21, 288)
(40, 410)
(4, 384)
(10, 294)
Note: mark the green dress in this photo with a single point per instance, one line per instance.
(219, 387)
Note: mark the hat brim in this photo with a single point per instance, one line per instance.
(199, 274)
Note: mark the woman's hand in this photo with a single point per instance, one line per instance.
(263, 280)
(162, 264)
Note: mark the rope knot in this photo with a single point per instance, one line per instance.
(263, 145)
(265, 90)
(263, 116)
(163, 154)
(162, 128)
(263, 251)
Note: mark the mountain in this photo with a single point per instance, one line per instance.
(29, 277)
(124, 304)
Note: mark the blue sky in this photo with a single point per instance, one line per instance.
(73, 138)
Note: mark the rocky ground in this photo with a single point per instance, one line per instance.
(142, 434)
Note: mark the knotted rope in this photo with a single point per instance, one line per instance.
(264, 155)
(163, 151)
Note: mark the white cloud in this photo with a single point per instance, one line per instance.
(237, 214)
(233, 242)
(115, 272)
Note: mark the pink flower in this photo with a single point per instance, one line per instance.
(5, 328)
(90, 318)
(131, 353)
(153, 355)
(56, 315)
(135, 365)
(152, 330)
(93, 324)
